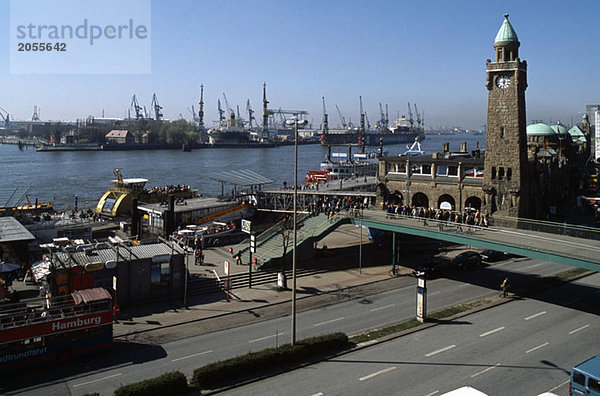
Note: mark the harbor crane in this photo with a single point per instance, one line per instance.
(36, 114)
(5, 117)
(157, 108)
(342, 119)
(418, 115)
(201, 110)
(227, 108)
(362, 117)
(410, 116)
(221, 112)
(250, 113)
(325, 117)
(137, 109)
(194, 115)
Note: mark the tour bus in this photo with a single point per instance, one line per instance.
(585, 378)
(55, 329)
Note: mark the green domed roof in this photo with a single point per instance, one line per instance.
(561, 130)
(506, 32)
(540, 129)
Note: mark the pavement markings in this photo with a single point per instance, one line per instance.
(433, 393)
(487, 333)
(384, 307)
(440, 350)
(535, 315)
(558, 386)
(329, 321)
(267, 337)
(485, 370)
(367, 377)
(434, 293)
(537, 347)
(318, 394)
(191, 356)
(464, 285)
(97, 380)
(581, 328)
(534, 265)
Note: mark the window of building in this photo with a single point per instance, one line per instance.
(441, 170)
(500, 198)
(415, 169)
(426, 169)
(508, 173)
(500, 173)
(502, 132)
(160, 274)
(453, 170)
(493, 172)
(500, 54)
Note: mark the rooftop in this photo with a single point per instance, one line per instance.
(506, 32)
(13, 231)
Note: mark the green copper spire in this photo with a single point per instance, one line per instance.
(506, 32)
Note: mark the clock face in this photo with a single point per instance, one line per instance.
(503, 82)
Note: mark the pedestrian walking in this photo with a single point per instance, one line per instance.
(504, 288)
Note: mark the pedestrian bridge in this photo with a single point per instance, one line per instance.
(560, 243)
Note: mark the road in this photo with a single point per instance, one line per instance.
(525, 347)
(129, 363)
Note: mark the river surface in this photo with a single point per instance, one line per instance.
(87, 174)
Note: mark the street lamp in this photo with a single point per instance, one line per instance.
(295, 122)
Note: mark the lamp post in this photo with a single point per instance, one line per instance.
(295, 122)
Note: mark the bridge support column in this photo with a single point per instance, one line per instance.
(394, 253)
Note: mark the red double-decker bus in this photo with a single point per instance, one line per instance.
(55, 329)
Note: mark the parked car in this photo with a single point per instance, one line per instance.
(433, 269)
(465, 260)
(492, 255)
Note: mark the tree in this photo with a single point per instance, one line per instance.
(286, 228)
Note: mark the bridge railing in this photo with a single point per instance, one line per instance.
(565, 245)
(548, 227)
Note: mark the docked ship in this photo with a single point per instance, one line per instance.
(401, 132)
(117, 200)
(345, 167)
(229, 132)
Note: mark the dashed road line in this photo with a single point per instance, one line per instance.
(487, 333)
(318, 394)
(485, 370)
(97, 380)
(384, 307)
(367, 377)
(440, 350)
(534, 265)
(191, 356)
(558, 386)
(537, 347)
(536, 315)
(327, 322)
(266, 337)
(433, 393)
(581, 328)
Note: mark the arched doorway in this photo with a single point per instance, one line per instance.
(396, 198)
(420, 200)
(446, 202)
(474, 203)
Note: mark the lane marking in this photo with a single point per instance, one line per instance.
(367, 377)
(440, 350)
(267, 337)
(329, 321)
(485, 370)
(464, 285)
(537, 347)
(491, 331)
(581, 328)
(97, 380)
(534, 265)
(434, 293)
(558, 386)
(433, 393)
(384, 307)
(318, 394)
(535, 315)
(191, 356)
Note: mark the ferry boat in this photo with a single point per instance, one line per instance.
(343, 168)
(117, 200)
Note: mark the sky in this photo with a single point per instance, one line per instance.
(432, 53)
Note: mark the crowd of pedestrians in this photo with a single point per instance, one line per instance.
(468, 217)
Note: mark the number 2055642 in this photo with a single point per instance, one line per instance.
(42, 47)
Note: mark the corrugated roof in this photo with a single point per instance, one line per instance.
(242, 177)
(13, 231)
(116, 133)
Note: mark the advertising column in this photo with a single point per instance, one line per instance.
(421, 300)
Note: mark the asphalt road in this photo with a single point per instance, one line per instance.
(525, 347)
(128, 363)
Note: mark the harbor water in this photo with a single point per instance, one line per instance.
(87, 174)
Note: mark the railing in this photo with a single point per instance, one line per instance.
(565, 246)
(548, 227)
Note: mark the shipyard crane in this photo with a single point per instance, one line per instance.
(194, 115)
(362, 116)
(418, 115)
(325, 117)
(137, 109)
(201, 110)
(410, 116)
(250, 113)
(157, 108)
(229, 109)
(221, 112)
(5, 117)
(36, 114)
(342, 119)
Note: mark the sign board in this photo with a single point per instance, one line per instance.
(246, 226)
(114, 283)
(597, 138)
(252, 243)
(421, 304)
(162, 258)
(110, 264)
(226, 267)
(445, 205)
(89, 267)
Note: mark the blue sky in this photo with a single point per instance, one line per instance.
(431, 53)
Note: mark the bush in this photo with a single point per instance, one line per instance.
(255, 363)
(173, 383)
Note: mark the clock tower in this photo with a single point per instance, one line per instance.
(506, 177)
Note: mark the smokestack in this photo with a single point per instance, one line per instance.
(463, 147)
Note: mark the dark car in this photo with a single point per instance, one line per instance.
(432, 269)
(466, 260)
(492, 255)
